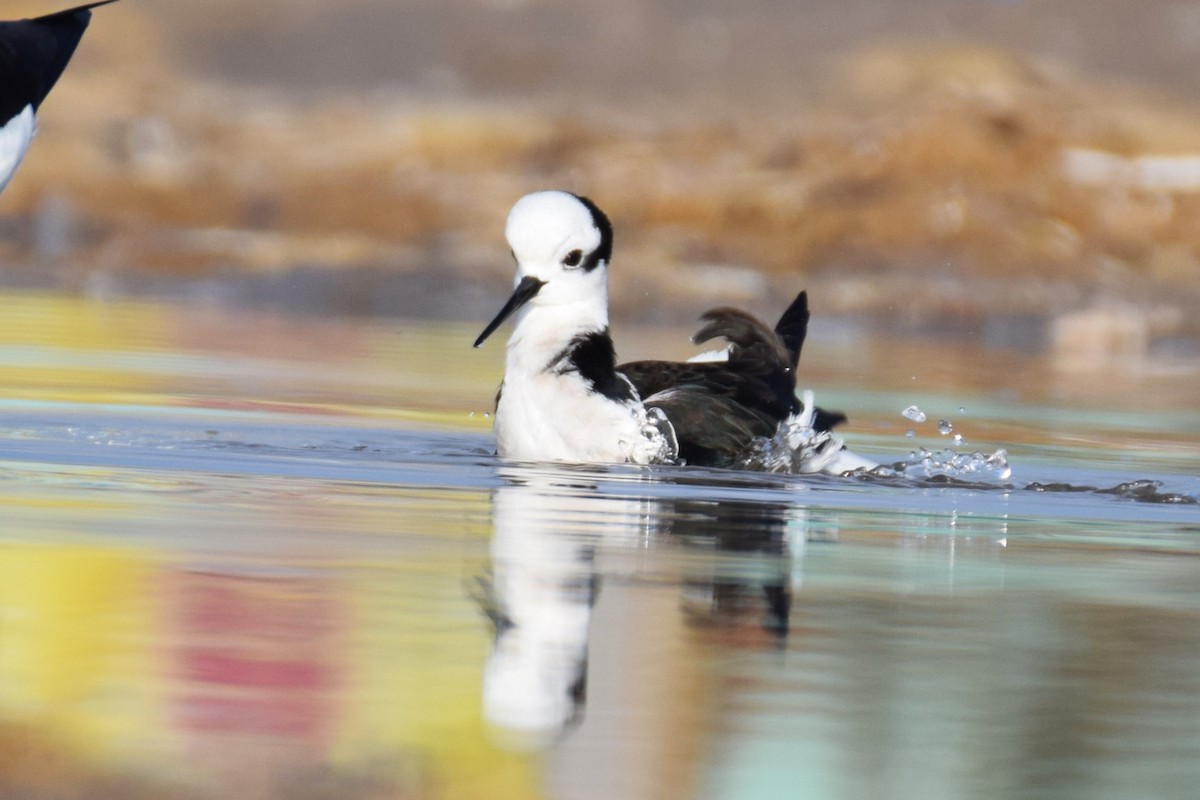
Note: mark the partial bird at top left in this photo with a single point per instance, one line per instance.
(33, 54)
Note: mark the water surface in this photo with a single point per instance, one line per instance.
(269, 557)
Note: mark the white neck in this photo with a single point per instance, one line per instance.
(543, 331)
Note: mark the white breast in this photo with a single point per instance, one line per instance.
(545, 415)
(551, 417)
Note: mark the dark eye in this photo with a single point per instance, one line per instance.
(573, 258)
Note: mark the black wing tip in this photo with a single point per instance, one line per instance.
(84, 10)
(825, 420)
(795, 314)
(792, 327)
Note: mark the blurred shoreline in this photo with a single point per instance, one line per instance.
(933, 188)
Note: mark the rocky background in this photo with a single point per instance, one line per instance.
(1022, 173)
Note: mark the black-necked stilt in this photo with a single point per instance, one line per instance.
(564, 398)
(33, 53)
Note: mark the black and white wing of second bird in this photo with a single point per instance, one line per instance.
(33, 54)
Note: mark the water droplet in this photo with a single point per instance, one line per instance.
(962, 410)
(910, 433)
(945, 427)
(958, 439)
(998, 462)
(913, 413)
(471, 415)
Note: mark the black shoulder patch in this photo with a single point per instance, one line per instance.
(592, 356)
(604, 251)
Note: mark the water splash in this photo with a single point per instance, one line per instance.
(795, 448)
(800, 449)
(948, 463)
(656, 442)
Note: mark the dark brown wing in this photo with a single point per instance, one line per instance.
(750, 339)
(718, 407)
(712, 430)
(748, 383)
(757, 373)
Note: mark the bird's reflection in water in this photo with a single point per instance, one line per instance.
(544, 583)
(540, 597)
(760, 542)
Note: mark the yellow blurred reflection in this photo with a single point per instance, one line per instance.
(206, 679)
(76, 655)
(60, 347)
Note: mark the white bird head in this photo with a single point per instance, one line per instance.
(562, 244)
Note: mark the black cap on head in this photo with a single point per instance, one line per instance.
(600, 220)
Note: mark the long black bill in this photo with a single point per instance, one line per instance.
(525, 291)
